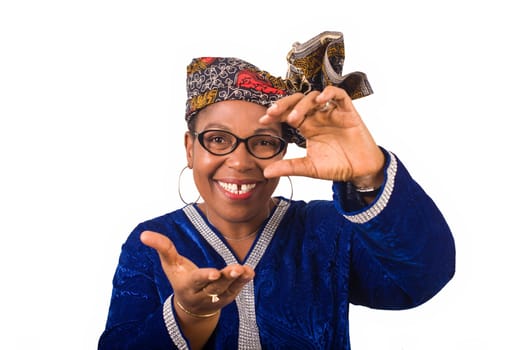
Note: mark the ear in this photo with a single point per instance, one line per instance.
(189, 141)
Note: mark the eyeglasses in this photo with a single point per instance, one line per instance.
(221, 142)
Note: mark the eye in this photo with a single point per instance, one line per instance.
(265, 141)
(216, 139)
(268, 142)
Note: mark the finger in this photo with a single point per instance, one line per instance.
(303, 109)
(232, 277)
(203, 277)
(279, 111)
(164, 246)
(327, 107)
(240, 279)
(227, 274)
(234, 272)
(336, 94)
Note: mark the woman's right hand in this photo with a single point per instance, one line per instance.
(193, 286)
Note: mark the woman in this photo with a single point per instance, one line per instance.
(244, 270)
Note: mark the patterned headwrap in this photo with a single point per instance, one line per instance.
(311, 66)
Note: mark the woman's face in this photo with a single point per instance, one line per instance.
(232, 185)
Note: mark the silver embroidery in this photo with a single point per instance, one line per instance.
(172, 326)
(383, 200)
(248, 337)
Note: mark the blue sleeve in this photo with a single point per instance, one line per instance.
(402, 250)
(138, 309)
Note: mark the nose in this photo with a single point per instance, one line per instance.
(240, 158)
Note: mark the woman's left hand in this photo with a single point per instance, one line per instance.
(339, 145)
(194, 287)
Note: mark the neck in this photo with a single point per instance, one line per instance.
(237, 236)
(243, 238)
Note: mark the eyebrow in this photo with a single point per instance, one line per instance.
(256, 131)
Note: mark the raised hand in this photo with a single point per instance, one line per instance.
(339, 145)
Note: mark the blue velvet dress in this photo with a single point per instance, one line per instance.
(311, 261)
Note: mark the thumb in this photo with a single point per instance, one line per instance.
(164, 246)
(287, 167)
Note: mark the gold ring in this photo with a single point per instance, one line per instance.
(327, 106)
(214, 296)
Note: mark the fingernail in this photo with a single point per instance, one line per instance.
(234, 274)
(293, 113)
(272, 106)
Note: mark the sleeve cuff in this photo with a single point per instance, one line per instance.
(172, 325)
(349, 202)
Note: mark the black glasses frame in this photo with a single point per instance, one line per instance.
(239, 140)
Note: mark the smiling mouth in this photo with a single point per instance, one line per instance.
(237, 189)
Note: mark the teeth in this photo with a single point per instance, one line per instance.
(236, 189)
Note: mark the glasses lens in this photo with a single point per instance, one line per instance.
(218, 142)
(265, 146)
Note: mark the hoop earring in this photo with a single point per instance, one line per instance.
(179, 191)
(286, 202)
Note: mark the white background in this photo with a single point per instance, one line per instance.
(92, 100)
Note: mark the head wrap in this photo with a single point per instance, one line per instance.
(216, 79)
(311, 66)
